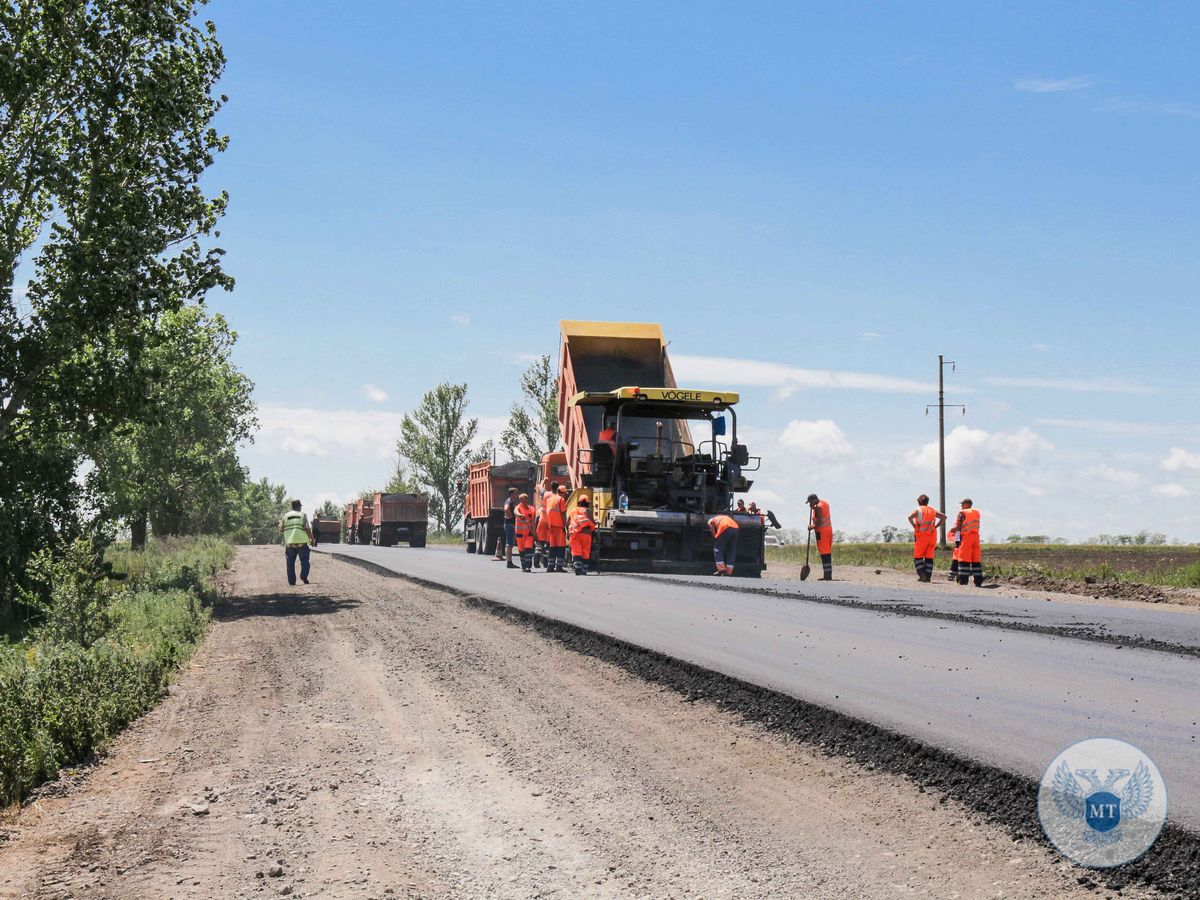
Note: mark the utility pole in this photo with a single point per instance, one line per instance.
(941, 407)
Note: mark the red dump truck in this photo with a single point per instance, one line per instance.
(399, 517)
(487, 489)
(359, 521)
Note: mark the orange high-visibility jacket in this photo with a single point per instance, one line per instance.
(970, 524)
(721, 524)
(820, 515)
(554, 511)
(581, 520)
(926, 519)
(525, 515)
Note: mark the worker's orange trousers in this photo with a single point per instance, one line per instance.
(557, 536)
(925, 545)
(969, 552)
(824, 538)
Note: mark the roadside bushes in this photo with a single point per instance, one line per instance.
(64, 691)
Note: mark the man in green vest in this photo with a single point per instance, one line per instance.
(296, 538)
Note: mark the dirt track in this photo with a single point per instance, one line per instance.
(376, 739)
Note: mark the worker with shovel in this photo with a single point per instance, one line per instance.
(820, 526)
(525, 516)
(583, 526)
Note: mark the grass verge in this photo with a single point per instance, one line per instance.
(60, 701)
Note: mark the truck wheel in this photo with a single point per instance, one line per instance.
(488, 540)
(417, 541)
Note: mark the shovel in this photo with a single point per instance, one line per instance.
(805, 569)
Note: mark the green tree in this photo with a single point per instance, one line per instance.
(176, 463)
(105, 134)
(401, 482)
(328, 508)
(435, 441)
(261, 507)
(533, 429)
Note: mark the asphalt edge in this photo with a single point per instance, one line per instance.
(1171, 866)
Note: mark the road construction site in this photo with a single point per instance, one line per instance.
(376, 736)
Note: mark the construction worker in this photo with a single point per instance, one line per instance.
(523, 526)
(924, 521)
(725, 538)
(821, 525)
(582, 528)
(504, 547)
(297, 535)
(970, 562)
(556, 529)
(956, 539)
(541, 546)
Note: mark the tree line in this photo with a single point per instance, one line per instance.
(437, 442)
(119, 400)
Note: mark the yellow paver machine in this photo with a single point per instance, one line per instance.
(657, 460)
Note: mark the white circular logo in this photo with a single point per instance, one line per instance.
(1102, 802)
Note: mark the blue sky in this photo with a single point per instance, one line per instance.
(801, 194)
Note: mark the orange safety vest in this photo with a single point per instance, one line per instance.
(722, 524)
(581, 521)
(554, 511)
(820, 515)
(524, 515)
(926, 519)
(970, 522)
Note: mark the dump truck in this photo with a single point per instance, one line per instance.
(487, 489)
(656, 460)
(399, 517)
(359, 521)
(327, 529)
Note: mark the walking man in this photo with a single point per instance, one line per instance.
(583, 526)
(523, 527)
(970, 562)
(297, 535)
(924, 521)
(821, 525)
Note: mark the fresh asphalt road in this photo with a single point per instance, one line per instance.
(1007, 698)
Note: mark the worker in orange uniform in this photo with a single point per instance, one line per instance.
(583, 527)
(956, 539)
(526, 515)
(821, 525)
(970, 562)
(725, 539)
(541, 553)
(924, 521)
(556, 529)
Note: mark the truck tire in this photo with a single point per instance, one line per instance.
(489, 540)
(417, 541)
(374, 537)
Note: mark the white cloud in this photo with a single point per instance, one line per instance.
(1179, 460)
(1098, 385)
(869, 335)
(373, 393)
(788, 379)
(1170, 490)
(976, 448)
(817, 440)
(1161, 107)
(1033, 490)
(1109, 426)
(461, 319)
(1053, 85)
(1041, 348)
(325, 432)
(1110, 474)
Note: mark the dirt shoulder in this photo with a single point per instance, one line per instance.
(370, 738)
(1115, 594)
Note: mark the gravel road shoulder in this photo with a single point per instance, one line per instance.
(365, 737)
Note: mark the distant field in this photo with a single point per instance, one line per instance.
(1159, 565)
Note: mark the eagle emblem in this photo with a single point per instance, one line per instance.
(1081, 795)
